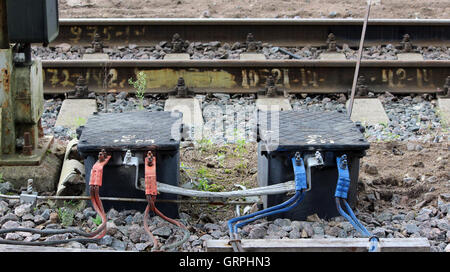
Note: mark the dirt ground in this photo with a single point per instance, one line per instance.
(393, 177)
(254, 8)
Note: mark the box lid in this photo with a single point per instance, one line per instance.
(308, 131)
(139, 130)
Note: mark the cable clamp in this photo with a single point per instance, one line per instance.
(343, 183)
(299, 172)
(150, 175)
(97, 169)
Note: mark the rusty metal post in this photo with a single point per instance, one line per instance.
(7, 133)
(27, 146)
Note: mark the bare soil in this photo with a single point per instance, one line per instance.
(217, 168)
(254, 8)
(403, 180)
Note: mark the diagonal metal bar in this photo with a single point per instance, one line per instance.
(361, 44)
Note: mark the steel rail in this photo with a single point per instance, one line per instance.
(241, 76)
(278, 32)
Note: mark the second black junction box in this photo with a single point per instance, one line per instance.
(323, 134)
(136, 132)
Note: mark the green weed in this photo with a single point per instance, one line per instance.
(139, 85)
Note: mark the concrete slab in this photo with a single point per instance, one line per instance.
(444, 109)
(192, 115)
(410, 56)
(177, 56)
(368, 111)
(75, 112)
(95, 56)
(45, 175)
(332, 56)
(273, 104)
(252, 56)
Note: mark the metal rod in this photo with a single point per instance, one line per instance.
(361, 44)
(181, 201)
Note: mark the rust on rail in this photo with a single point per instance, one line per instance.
(295, 76)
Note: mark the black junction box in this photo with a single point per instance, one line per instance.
(32, 21)
(137, 132)
(330, 134)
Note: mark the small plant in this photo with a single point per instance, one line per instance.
(80, 121)
(66, 215)
(97, 220)
(1, 178)
(205, 144)
(203, 184)
(221, 158)
(140, 85)
(241, 147)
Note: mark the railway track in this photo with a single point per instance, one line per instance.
(279, 32)
(240, 76)
(249, 76)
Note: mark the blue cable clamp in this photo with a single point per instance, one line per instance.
(299, 173)
(343, 183)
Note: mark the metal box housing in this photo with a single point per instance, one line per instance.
(282, 134)
(138, 132)
(32, 21)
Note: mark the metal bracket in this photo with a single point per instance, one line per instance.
(129, 160)
(97, 169)
(312, 161)
(150, 175)
(299, 173)
(29, 196)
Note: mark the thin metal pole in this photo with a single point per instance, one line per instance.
(124, 199)
(361, 44)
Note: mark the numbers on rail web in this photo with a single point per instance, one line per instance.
(255, 78)
(397, 78)
(297, 78)
(108, 33)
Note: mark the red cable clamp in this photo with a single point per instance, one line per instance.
(150, 175)
(97, 169)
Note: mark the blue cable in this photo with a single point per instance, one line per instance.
(342, 188)
(279, 206)
(300, 185)
(299, 196)
(352, 215)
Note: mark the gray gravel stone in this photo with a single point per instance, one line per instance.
(22, 209)
(163, 232)
(46, 214)
(282, 222)
(118, 245)
(6, 187)
(8, 217)
(13, 236)
(106, 240)
(411, 228)
(257, 232)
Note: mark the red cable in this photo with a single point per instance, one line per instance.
(147, 228)
(101, 212)
(98, 207)
(170, 220)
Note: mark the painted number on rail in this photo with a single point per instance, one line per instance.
(398, 78)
